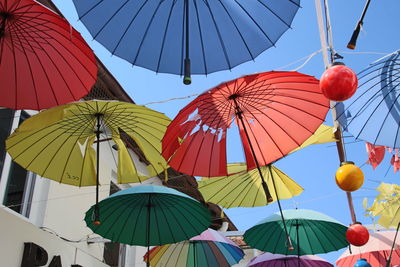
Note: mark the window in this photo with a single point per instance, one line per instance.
(6, 120)
(19, 182)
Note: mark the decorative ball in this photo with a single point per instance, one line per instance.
(362, 263)
(349, 177)
(338, 83)
(357, 235)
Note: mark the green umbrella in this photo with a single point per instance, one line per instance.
(311, 232)
(149, 215)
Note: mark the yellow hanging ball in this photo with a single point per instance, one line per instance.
(349, 177)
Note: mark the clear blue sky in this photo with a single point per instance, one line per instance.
(313, 167)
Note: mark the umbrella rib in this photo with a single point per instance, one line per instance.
(147, 30)
(372, 113)
(276, 15)
(15, 70)
(255, 22)
(370, 100)
(168, 224)
(219, 35)
(237, 29)
(107, 21)
(165, 35)
(32, 77)
(91, 8)
(201, 37)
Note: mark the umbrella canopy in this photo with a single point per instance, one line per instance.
(57, 143)
(244, 189)
(311, 233)
(376, 251)
(149, 215)
(164, 36)
(210, 248)
(44, 62)
(274, 111)
(276, 260)
(387, 205)
(373, 113)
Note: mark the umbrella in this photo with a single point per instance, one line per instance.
(312, 233)
(210, 248)
(57, 143)
(373, 113)
(276, 260)
(244, 189)
(376, 251)
(44, 62)
(166, 36)
(274, 111)
(149, 215)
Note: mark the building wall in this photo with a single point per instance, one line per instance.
(15, 230)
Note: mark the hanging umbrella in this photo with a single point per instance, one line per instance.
(167, 36)
(44, 62)
(57, 143)
(210, 248)
(312, 233)
(274, 111)
(149, 215)
(244, 188)
(373, 113)
(376, 251)
(276, 260)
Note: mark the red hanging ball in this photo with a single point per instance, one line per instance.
(338, 83)
(357, 235)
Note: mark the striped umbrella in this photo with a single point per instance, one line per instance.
(210, 248)
(277, 260)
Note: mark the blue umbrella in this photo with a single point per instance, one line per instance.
(165, 36)
(373, 113)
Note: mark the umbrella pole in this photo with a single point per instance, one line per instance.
(289, 245)
(394, 243)
(239, 113)
(186, 78)
(96, 207)
(298, 243)
(148, 231)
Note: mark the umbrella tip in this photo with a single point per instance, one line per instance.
(187, 80)
(96, 222)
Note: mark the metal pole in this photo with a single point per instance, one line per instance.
(298, 243)
(356, 32)
(394, 243)
(186, 79)
(96, 208)
(338, 133)
(148, 231)
(239, 113)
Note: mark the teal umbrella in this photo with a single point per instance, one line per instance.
(149, 215)
(311, 233)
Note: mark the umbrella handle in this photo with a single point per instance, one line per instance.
(354, 36)
(186, 79)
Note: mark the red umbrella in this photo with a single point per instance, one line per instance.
(274, 111)
(44, 62)
(376, 251)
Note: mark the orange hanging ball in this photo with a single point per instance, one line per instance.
(349, 177)
(338, 83)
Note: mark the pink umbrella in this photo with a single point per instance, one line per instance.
(376, 251)
(277, 260)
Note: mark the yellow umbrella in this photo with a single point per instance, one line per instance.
(324, 134)
(387, 205)
(244, 189)
(58, 143)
